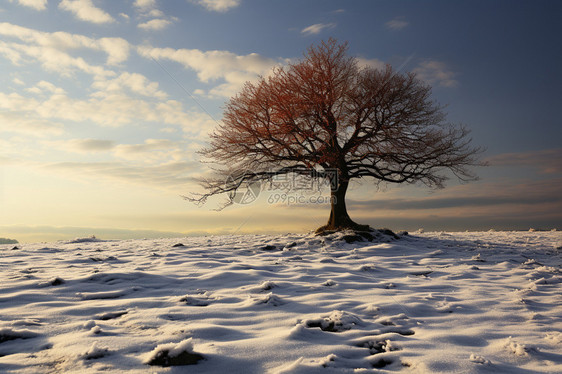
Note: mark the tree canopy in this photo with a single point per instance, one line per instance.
(329, 114)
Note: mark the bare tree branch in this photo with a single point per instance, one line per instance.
(325, 112)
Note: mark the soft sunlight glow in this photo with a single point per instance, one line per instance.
(104, 106)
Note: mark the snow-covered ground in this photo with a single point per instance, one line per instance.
(487, 302)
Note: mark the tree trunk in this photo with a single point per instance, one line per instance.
(339, 219)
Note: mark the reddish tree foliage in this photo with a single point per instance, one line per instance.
(327, 113)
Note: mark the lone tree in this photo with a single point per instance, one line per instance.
(329, 114)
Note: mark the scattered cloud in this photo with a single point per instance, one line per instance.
(15, 102)
(372, 63)
(129, 99)
(152, 151)
(35, 4)
(18, 81)
(397, 23)
(155, 13)
(218, 5)
(436, 73)
(317, 28)
(547, 161)
(213, 65)
(52, 50)
(148, 9)
(85, 10)
(117, 49)
(46, 87)
(154, 24)
(125, 16)
(110, 110)
(35, 90)
(20, 123)
(132, 82)
(51, 59)
(144, 5)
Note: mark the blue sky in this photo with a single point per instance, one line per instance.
(103, 105)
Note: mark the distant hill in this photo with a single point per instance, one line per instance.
(8, 241)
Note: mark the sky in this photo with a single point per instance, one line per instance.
(104, 104)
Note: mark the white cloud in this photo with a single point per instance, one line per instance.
(234, 81)
(20, 122)
(372, 63)
(436, 72)
(35, 90)
(35, 4)
(114, 99)
(104, 108)
(154, 24)
(134, 82)
(16, 102)
(317, 28)
(18, 81)
(111, 110)
(51, 49)
(397, 23)
(124, 15)
(195, 125)
(85, 10)
(148, 9)
(155, 13)
(51, 59)
(46, 87)
(218, 5)
(144, 5)
(151, 152)
(17, 115)
(212, 65)
(117, 49)
(11, 54)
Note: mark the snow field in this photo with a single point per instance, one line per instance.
(427, 303)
